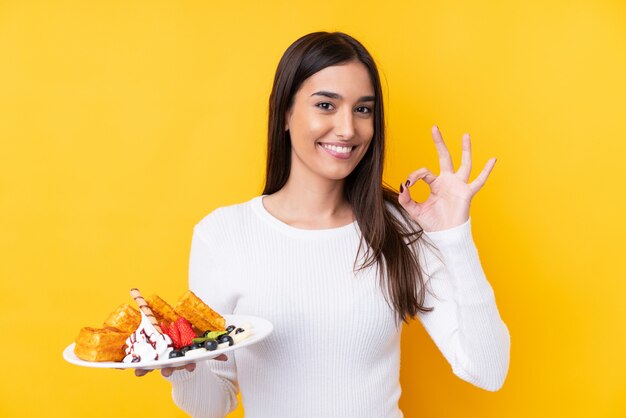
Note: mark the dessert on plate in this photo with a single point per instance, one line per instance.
(100, 344)
(158, 331)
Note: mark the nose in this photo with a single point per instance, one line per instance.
(344, 124)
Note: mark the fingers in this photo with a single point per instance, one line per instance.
(404, 197)
(190, 367)
(168, 371)
(479, 182)
(141, 372)
(466, 159)
(421, 174)
(445, 161)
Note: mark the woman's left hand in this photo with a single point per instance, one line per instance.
(450, 196)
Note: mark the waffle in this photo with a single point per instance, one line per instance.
(198, 313)
(125, 318)
(100, 344)
(161, 309)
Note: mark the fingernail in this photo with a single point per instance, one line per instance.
(401, 188)
(408, 183)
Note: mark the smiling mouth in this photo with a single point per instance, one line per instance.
(338, 149)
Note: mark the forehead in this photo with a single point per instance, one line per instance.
(350, 80)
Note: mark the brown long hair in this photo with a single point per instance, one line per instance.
(385, 238)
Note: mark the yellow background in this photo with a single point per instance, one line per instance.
(122, 123)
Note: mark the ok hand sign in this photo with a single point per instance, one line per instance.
(450, 196)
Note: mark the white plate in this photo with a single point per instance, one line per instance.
(261, 328)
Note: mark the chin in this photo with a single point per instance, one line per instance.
(336, 174)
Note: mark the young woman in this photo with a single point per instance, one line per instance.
(337, 261)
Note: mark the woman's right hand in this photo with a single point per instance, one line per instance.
(168, 371)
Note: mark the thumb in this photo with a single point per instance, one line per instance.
(410, 205)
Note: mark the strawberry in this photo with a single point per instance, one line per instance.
(187, 333)
(165, 327)
(172, 331)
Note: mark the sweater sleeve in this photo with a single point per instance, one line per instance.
(465, 323)
(211, 390)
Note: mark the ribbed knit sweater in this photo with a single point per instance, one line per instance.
(335, 348)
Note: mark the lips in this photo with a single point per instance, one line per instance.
(342, 152)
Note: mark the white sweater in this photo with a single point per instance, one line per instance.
(335, 348)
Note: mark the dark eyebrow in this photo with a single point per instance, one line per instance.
(338, 96)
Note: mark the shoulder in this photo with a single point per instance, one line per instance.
(226, 217)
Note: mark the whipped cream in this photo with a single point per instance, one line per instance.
(146, 343)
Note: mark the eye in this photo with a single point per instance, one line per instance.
(364, 109)
(325, 105)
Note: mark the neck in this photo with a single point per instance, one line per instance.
(310, 203)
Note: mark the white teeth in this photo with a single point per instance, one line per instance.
(343, 150)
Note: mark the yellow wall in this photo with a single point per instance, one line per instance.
(122, 123)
